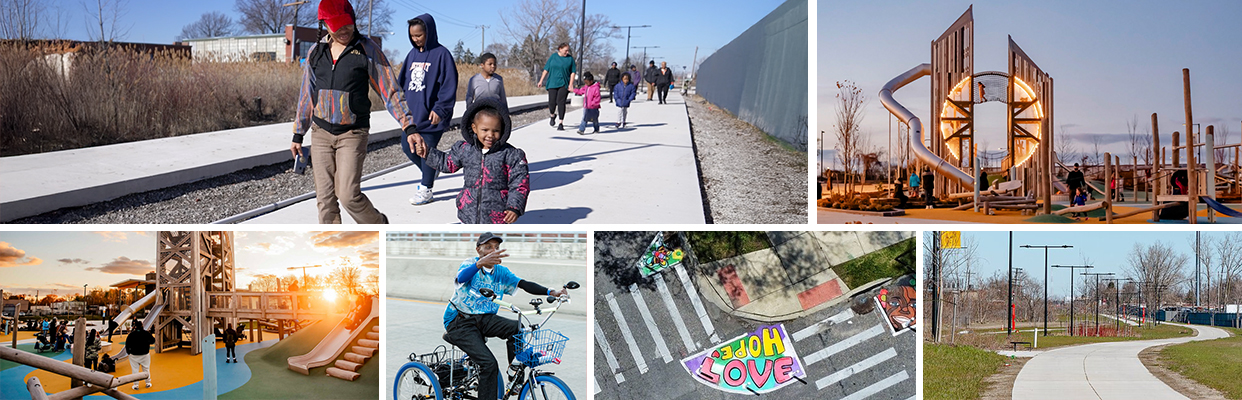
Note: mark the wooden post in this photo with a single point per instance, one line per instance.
(1192, 167)
(280, 329)
(1108, 188)
(1135, 175)
(1209, 161)
(1177, 160)
(79, 347)
(73, 371)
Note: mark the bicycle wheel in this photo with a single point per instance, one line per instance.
(415, 382)
(546, 387)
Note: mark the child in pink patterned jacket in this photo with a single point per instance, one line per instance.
(590, 102)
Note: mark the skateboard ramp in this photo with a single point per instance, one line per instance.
(337, 340)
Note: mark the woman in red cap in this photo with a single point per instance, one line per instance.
(334, 106)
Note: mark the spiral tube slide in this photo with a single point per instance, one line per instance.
(916, 127)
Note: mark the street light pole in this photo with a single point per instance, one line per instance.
(1046, 247)
(628, 29)
(644, 63)
(1072, 268)
(1097, 296)
(1116, 282)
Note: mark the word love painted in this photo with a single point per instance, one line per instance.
(756, 362)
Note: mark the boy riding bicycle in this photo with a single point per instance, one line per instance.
(470, 317)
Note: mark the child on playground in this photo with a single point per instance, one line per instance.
(1080, 199)
(590, 102)
(496, 181)
(624, 93)
(486, 84)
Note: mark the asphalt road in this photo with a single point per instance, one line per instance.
(414, 326)
(638, 321)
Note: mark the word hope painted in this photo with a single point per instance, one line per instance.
(756, 362)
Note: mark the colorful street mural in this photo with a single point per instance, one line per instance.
(898, 302)
(753, 363)
(658, 256)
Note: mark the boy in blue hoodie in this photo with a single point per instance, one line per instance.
(429, 78)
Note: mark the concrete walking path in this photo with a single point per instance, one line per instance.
(33, 184)
(645, 173)
(1103, 371)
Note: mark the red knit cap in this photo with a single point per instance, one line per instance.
(336, 13)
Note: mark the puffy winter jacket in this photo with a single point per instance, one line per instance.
(591, 99)
(494, 181)
(624, 93)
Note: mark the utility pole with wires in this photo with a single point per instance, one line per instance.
(303, 273)
(644, 64)
(482, 38)
(297, 6)
(629, 29)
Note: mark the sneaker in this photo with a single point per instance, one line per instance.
(148, 385)
(560, 127)
(582, 133)
(135, 386)
(617, 126)
(552, 121)
(596, 130)
(422, 195)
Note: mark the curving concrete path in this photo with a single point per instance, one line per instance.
(1100, 371)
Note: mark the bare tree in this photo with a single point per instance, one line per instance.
(104, 22)
(211, 24)
(501, 51)
(597, 50)
(1139, 143)
(531, 24)
(1228, 249)
(347, 278)
(20, 19)
(1220, 137)
(850, 110)
(269, 16)
(382, 14)
(1097, 157)
(1160, 269)
(1064, 147)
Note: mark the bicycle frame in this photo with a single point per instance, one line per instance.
(525, 325)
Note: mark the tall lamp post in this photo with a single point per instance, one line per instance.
(1072, 268)
(1046, 247)
(644, 63)
(1097, 276)
(1115, 283)
(628, 30)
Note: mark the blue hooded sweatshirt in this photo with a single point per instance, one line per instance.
(429, 78)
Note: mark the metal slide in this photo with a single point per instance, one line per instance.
(147, 322)
(333, 344)
(916, 126)
(1221, 208)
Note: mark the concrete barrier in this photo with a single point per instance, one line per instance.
(516, 250)
(430, 278)
(761, 76)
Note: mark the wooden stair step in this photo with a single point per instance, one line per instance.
(355, 357)
(348, 365)
(373, 335)
(343, 374)
(375, 328)
(363, 350)
(368, 343)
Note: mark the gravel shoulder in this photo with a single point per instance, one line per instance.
(1186, 386)
(747, 176)
(216, 198)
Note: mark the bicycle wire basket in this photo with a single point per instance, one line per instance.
(540, 346)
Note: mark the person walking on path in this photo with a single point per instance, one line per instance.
(664, 80)
(230, 345)
(650, 76)
(635, 77)
(496, 173)
(559, 73)
(611, 79)
(93, 345)
(138, 345)
(470, 317)
(983, 180)
(624, 92)
(429, 76)
(590, 102)
(333, 104)
(486, 84)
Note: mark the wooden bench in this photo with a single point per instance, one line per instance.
(1015, 345)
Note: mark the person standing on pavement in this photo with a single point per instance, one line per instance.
(138, 345)
(559, 73)
(333, 104)
(590, 102)
(470, 317)
(625, 93)
(914, 183)
(486, 84)
(611, 78)
(429, 76)
(664, 80)
(230, 345)
(928, 187)
(1075, 180)
(650, 76)
(93, 345)
(635, 77)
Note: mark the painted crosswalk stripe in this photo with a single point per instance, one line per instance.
(842, 345)
(853, 369)
(879, 386)
(661, 347)
(818, 326)
(596, 383)
(672, 310)
(625, 332)
(698, 305)
(612, 359)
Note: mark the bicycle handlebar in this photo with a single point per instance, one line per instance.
(563, 299)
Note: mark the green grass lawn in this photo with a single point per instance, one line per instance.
(891, 261)
(712, 246)
(956, 372)
(1215, 363)
(1059, 338)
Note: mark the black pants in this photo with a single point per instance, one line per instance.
(663, 90)
(230, 351)
(467, 331)
(91, 363)
(556, 101)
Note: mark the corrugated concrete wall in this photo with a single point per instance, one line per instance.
(761, 76)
